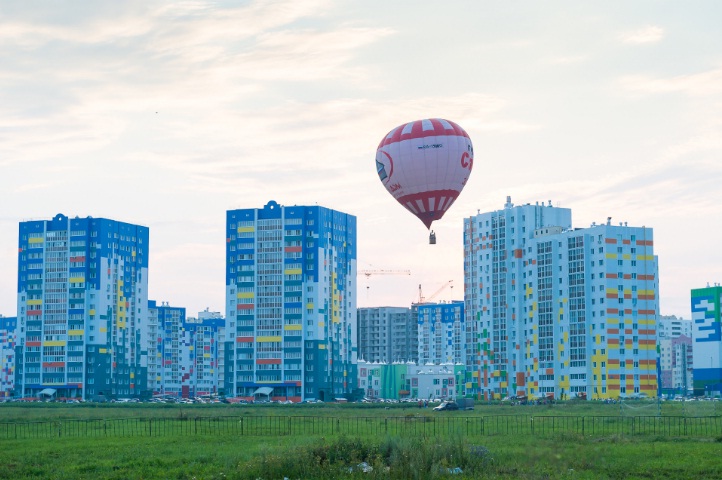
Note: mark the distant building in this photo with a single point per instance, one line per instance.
(82, 304)
(8, 326)
(683, 365)
(707, 340)
(290, 303)
(154, 342)
(201, 337)
(213, 362)
(398, 381)
(171, 367)
(442, 335)
(387, 334)
(186, 350)
(674, 338)
(556, 311)
(669, 326)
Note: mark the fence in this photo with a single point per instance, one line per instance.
(425, 426)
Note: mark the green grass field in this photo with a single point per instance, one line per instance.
(547, 454)
(59, 411)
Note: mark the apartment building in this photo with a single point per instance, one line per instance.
(387, 334)
(707, 340)
(676, 363)
(82, 307)
(442, 333)
(8, 327)
(290, 303)
(556, 311)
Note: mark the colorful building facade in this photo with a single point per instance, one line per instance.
(707, 340)
(186, 352)
(559, 312)
(8, 326)
(442, 333)
(82, 300)
(290, 303)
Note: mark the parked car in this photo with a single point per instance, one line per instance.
(447, 406)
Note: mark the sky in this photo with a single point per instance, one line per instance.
(168, 114)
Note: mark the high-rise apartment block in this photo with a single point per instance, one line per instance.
(442, 333)
(82, 304)
(387, 334)
(557, 311)
(290, 303)
(8, 327)
(707, 340)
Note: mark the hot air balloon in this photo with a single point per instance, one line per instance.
(425, 164)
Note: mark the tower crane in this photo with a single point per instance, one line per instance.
(368, 273)
(423, 299)
(380, 271)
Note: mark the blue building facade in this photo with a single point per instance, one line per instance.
(442, 333)
(707, 340)
(290, 303)
(8, 327)
(185, 350)
(82, 303)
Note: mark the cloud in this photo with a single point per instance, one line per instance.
(308, 55)
(695, 84)
(80, 85)
(567, 59)
(648, 34)
(309, 143)
(705, 141)
(28, 187)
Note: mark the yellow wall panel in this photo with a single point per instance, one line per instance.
(268, 339)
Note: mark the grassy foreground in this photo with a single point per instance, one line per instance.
(327, 458)
(324, 456)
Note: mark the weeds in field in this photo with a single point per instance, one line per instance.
(417, 459)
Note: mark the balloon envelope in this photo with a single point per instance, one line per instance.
(425, 164)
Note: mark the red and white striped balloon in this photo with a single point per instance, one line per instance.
(425, 164)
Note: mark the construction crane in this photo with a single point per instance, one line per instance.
(423, 299)
(368, 273)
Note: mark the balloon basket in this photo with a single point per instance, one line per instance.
(432, 238)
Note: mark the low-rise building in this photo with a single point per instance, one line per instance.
(399, 381)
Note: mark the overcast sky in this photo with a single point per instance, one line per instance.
(169, 114)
